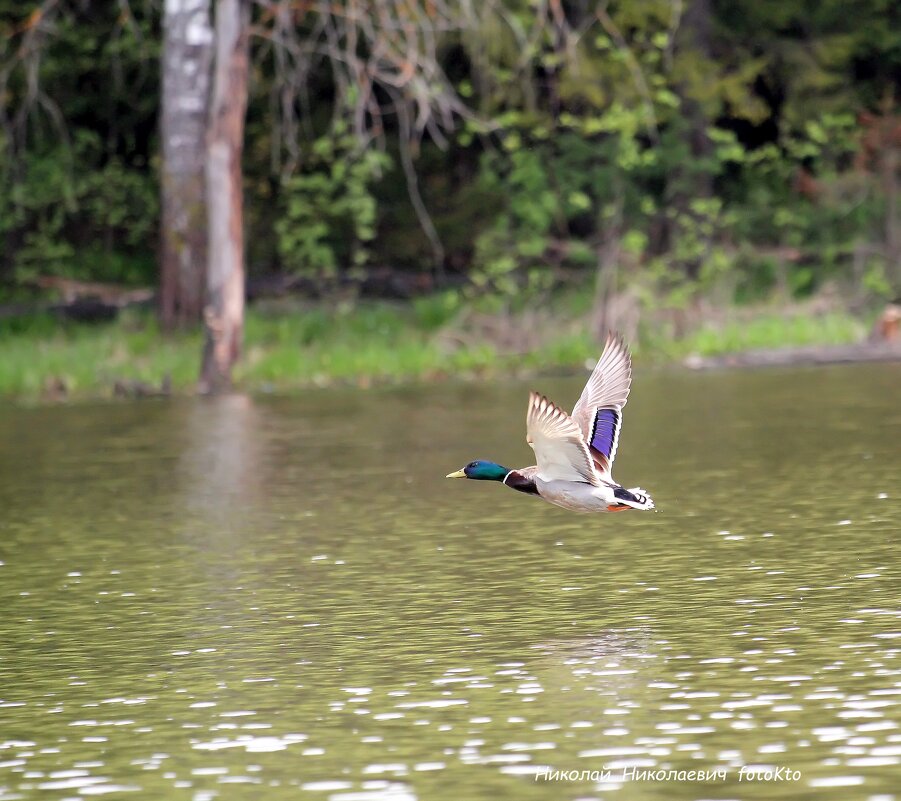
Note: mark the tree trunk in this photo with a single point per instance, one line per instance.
(890, 179)
(608, 254)
(694, 180)
(187, 55)
(695, 36)
(224, 311)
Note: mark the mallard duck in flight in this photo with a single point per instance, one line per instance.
(575, 452)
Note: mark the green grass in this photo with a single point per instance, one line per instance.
(88, 359)
(360, 344)
(767, 329)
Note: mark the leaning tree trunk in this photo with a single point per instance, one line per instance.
(694, 180)
(187, 55)
(608, 254)
(224, 312)
(891, 178)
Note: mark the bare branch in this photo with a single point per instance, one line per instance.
(20, 54)
(634, 68)
(422, 213)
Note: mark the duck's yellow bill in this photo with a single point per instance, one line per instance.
(457, 474)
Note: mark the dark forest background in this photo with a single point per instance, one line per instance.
(733, 148)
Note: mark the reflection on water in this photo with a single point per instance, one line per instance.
(283, 598)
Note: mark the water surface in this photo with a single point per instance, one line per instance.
(282, 598)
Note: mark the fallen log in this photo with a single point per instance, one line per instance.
(82, 301)
(81, 310)
(109, 294)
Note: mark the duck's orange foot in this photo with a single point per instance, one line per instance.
(618, 507)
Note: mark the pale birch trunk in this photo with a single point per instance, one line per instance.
(224, 310)
(186, 59)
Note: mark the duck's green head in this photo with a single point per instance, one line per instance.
(482, 470)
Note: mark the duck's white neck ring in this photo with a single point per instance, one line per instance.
(507, 476)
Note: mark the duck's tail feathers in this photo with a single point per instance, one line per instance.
(636, 497)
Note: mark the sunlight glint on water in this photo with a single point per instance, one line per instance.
(283, 598)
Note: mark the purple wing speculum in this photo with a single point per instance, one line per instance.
(604, 432)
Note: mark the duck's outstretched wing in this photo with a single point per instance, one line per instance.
(559, 445)
(599, 410)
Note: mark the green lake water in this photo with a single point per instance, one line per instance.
(283, 598)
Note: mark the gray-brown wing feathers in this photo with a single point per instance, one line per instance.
(559, 444)
(608, 385)
(598, 412)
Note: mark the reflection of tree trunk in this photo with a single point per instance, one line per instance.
(187, 52)
(221, 470)
(224, 312)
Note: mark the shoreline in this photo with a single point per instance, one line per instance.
(55, 390)
(806, 356)
(379, 344)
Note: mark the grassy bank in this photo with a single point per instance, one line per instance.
(372, 342)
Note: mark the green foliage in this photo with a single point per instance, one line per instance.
(78, 196)
(435, 311)
(806, 197)
(554, 194)
(721, 150)
(329, 212)
(79, 214)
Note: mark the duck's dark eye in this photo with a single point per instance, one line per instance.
(471, 464)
